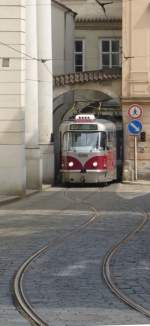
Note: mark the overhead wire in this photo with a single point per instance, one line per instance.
(24, 53)
(44, 60)
(29, 57)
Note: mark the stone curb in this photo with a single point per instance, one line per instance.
(140, 182)
(10, 199)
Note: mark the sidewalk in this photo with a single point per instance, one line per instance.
(6, 199)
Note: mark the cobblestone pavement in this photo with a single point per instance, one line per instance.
(65, 285)
(133, 275)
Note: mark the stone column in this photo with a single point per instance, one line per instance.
(12, 96)
(45, 89)
(136, 82)
(33, 156)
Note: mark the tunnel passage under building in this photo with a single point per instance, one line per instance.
(101, 106)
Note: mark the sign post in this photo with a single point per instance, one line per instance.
(135, 158)
(134, 128)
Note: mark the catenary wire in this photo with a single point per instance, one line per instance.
(29, 57)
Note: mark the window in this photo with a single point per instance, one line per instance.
(5, 62)
(85, 141)
(79, 55)
(111, 137)
(109, 53)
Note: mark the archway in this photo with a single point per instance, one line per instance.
(102, 104)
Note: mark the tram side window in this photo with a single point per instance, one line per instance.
(65, 141)
(103, 140)
(110, 138)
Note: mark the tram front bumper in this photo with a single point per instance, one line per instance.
(84, 177)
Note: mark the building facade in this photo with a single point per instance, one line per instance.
(36, 41)
(136, 85)
(63, 27)
(98, 34)
(12, 97)
(25, 95)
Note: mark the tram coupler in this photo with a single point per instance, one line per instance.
(82, 179)
(83, 170)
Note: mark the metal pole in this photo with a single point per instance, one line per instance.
(135, 158)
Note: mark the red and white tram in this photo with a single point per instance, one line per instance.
(88, 150)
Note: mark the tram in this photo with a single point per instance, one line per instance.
(88, 150)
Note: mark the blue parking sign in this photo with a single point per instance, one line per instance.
(135, 127)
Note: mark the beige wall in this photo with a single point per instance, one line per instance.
(136, 81)
(136, 46)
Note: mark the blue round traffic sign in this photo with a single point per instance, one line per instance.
(135, 127)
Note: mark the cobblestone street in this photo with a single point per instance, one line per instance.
(65, 284)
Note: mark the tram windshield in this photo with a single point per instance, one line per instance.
(84, 141)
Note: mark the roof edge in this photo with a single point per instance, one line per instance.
(65, 7)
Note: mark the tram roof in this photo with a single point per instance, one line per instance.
(106, 123)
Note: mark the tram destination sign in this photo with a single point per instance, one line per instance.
(84, 126)
(135, 127)
(135, 111)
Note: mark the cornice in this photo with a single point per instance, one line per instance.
(135, 99)
(94, 25)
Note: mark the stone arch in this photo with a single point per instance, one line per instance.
(109, 87)
(64, 102)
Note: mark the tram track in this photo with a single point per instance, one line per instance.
(22, 303)
(106, 269)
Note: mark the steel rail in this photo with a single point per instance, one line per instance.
(106, 270)
(20, 299)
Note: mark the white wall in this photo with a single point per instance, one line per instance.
(58, 39)
(45, 92)
(12, 98)
(33, 157)
(62, 39)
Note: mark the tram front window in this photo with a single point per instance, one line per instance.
(84, 141)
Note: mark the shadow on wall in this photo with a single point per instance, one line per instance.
(12, 152)
(61, 105)
(144, 21)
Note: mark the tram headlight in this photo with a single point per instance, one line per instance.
(95, 164)
(70, 164)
